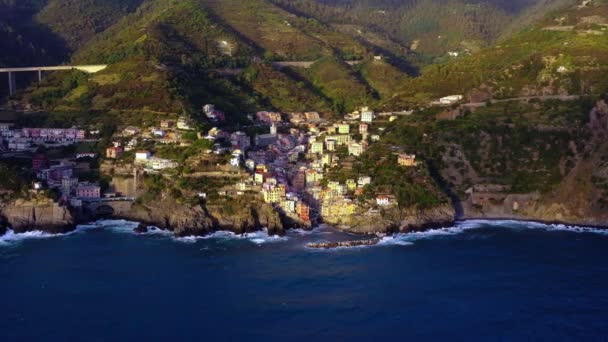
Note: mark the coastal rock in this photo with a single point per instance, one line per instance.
(141, 228)
(353, 243)
(393, 220)
(197, 220)
(38, 215)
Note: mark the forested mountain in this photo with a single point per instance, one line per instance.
(564, 53)
(430, 27)
(173, 56)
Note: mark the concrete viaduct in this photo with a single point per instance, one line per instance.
(12, 85)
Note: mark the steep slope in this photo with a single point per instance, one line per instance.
(565, 53)
(429, 27)
(25, 42)
(77, 21)
(281, 34)
(174, 56)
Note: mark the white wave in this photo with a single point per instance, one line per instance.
(515, 224)
(394, 240)
(259, 237)
(125, 227)
(10, 237)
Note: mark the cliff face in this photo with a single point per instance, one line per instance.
(43, 215)
(186, 220)
(397, 220)
(581, 196)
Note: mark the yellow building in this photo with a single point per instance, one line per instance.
(316, 147)
(274, 194)
(405, 159)
(351, 185)
(341, 139)
(343, 128)
(355, 149)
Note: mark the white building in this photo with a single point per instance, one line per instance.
(368, 116)
(142, 156)
(364, 180)
(184, 124)
(452, 99)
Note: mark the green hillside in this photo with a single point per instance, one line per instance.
(431, 27)
(77, 21)
(565, 53)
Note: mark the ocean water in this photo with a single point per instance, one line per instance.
(478, 280)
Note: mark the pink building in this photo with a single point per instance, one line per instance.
(88, 191)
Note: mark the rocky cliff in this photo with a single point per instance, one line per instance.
(394, 220)
(580, 197)
(197, 220)
(37, 214)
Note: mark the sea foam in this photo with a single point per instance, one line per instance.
(259, 237)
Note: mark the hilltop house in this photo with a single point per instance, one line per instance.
(405, 159)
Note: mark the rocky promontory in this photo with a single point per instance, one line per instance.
(37, 214)
(201, 219)
(392, 220)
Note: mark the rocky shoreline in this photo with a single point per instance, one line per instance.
(23, 216)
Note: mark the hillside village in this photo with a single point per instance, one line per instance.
(282, 159)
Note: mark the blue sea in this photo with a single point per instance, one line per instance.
(478, 280)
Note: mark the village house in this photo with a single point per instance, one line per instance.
(340, 139)
(355, 149)
(142, 156)
(363, 128)
(331, 145)
(68, 184)
(56, 173)
(364, 180)
(450, 100)
(351, 185)
(235, 161)
(159, 132)
(156, 163)
(250, 165)
(167, 124)
(367, 116)
(312, 117)
(264, 140)
(303, 210)
(385, 200)
(343, 128)
(114, 152)
(130, 131)
(87, 190)
(184, 124)
(299, 180)
(273, 193)
(241, 140)
(268, 117)
(316, 147)
(405, 159)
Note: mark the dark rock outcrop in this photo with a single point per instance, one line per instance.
(141, 228)
(354, 243)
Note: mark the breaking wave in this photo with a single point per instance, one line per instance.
(463, 226)
(11, 237)
(259, 238)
